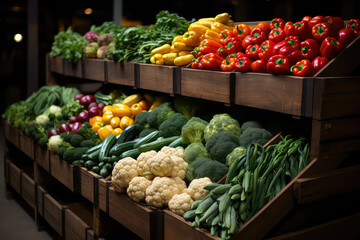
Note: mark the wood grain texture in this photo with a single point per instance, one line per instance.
(75, 227)
(15, 177)
(53, 213)
(40, 200)
(158, 78)
(57, 65)
(73, 69)
(42, 157)
(26, 145)
(28, 190)
(120, 73)
(11, 133)
(94, 69)
(62, 171)
(87, 184)
(102, 194)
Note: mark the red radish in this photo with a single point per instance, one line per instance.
(76, 127)
(64, 128)
(78, 96)
(83, 117)
(87, 99)
(92, 104)
(101, 105)
(72, 119)
(71, 125)
(94, 111)
(53, 132)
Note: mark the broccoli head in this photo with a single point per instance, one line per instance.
(249, 124)
(235, 154)
(146, 132)
(66, 136)
(222, 122)
(153, 118)
(195, 151)
(172, 126)
(86, 131)
(87, 143)
(193, 131)
(68, 155)
(43, 141)
(219, 145)
(206, 167)
(188, 107)
(141, 121)
(61, 151)
(76, 140)
(78, 152)
(254, 135)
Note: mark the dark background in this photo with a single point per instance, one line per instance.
(55, 16)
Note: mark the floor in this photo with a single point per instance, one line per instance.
(15, 222)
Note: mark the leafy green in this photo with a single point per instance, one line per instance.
(107, 27)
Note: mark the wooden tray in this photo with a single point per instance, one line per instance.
(210, 85)
(94, 69)
(14, 176)
(103, 192)
(26, 145)
(28, 189)
(42, 157)
(11, 133)
(120, 73)
(53, 213)
(62, 171)
(75, 228)
(56, 65)
(160, 78)
(88, 184)
(40, 200)
(73, 69)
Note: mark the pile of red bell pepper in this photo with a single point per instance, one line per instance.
(301, 48)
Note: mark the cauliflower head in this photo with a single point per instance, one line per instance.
(179, 167)
(124, 171)
(173, 151)
(54, 143)
(137, 188)
(161, 164)
(142, 163)
(180, 203)
(196, 188)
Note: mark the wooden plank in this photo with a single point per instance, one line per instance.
(90, 235)
(175, 226)
(133, 216)
(103, 192)
(87, 183)
(328, 184)
(28, 189)
(42, 157)
(11, 133)
(120, 73)
(15, 177)
(53, 213)
(40, 200)
(282, 94)
(344, 63)
(343, 228)
(62, 171)
(57, 65)
(94, 69)
(158, 78)
(26, 145)
(210, 85)
(324, 164)
(335, 147)
(73, 69)
(336, 97)
(75, 228)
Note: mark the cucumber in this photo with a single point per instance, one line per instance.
(104, 172)
(85, 157)
(109, 167)
(157, 144)
(189, 215)
(93, 149)
(127, 134)
(119, 148)
(134, 153)
(115, 158)
(148, 138)
(94, 155)
(101, 164)
(95, 169)
(176, 143)
(107, 144)
(78, 162)
(89, 164)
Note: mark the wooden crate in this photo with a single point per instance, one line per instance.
(11, 133)
(56, 64)
(26, 145)
(120, 73)
(133, 216)
(279, 93)
(88, 185)
(42, 157)
(103, 190)
(160, 78)
(75, 228)
(73, 69)
(28, 189)
(40, 200)
(53, 213)
(62, 171)
(14, 177)
(94, 69)
(210, 85)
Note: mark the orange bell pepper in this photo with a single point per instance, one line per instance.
(264, 26)
(121, 110)
(125, 122)
(117, 131)
(106, 118)
(144, 105)
(241, 31)
(107, 108)
(105, 131)
(97, 126)
(135, 109)
(95, 119)
(115, 122)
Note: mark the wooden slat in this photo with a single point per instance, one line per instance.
(62, 171)
(57, 65)
(94, 69)
(40, 200)
(335, 147)
(328, 184)
(53, 213)
(73, 69)
(271, 92)
(26, 145)
(42, 157)
(324, 164)
(87, 184)
(75, 227)
(15, 177)
(344, 228)
(11, 133)
(210, 85)
(90, 235)
(120, 73)
(102, 195)
(28, 190)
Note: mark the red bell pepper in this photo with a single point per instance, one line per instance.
(346, 36)
(294, 41)
(243, 64)
(277, 35)
(303, 68)
(315, 20)
(335, 23)
(196, 52)
(266, 49)
(196, 63)
(354, 24)
(228, 64)
(278, 64)
(252, 52)
(233, 45)
(246, 41)
(212, 61)
(258, 36)
(209, 46)
(277, 23)
(306, 19)
(321, 31)
(278, 46)
(310, 49)
(225, 34)
(259, 66)
(330, 47)
(319, 62)
(300, 29)
(222, 52)
(292, 54)
(241, 31)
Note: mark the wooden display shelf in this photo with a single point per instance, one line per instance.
(42, 157)
(88, 186)
(53, 213)
(11, 133)
(94, 69)
(28, 190)
(14, 176)
(56, 64)
(26, 145)
(73, 69)
(75, 226)
(63, 171)
(120, 73)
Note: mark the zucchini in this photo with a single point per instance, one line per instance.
(107, 144)
(78, 162)
(157, 144)
(115, 158)
(221, 189)
(189, 215)
(94, 155)
(85, 156)
(90, 164)
(133, 153)
(127, 134)
(204, 205)
(119, 148)
(95, 169)
(148, 138)
(212, 186)
(101, 164)
(93, 149)
(176, 143)
(104, 172)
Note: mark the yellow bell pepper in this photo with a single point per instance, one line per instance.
(107, 117)
(157, 59)
(212, 35)
(169, 58)
(104, 132)
(132, 99)
(222, 18)
(198, 28)
(107, 108)
(230, 23)
(115, 122)
(182, 53)
(121, 110)
(191, 38)
(183, 60)
(218, 27)
(117, 131)
(177, 39)
(97, 126)
(162, 49)
(125, 122)
(95, 119)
